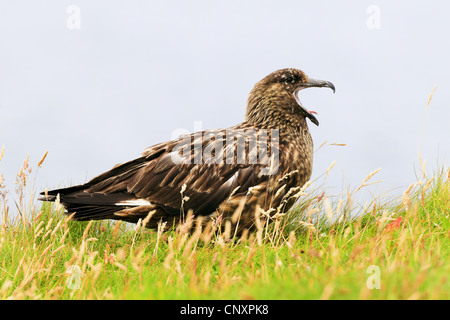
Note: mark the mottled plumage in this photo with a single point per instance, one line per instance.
(234, 173)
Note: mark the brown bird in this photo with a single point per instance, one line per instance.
(247, 172)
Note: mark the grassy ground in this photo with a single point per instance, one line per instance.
(326, 248)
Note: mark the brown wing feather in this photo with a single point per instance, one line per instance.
(156, 177)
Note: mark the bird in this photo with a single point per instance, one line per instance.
(242, 175)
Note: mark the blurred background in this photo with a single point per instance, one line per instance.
(96, 82)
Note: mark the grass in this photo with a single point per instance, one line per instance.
(325, 248)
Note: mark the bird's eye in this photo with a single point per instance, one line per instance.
(289, 80)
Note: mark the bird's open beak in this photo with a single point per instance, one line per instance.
(310, 84)
(317, 83)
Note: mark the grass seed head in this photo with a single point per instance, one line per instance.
(42, 159)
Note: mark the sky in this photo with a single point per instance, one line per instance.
(96, 82)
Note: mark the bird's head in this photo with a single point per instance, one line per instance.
(280, 90)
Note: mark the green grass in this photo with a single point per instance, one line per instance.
(325, 248)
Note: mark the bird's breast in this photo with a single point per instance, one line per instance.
(298, 157)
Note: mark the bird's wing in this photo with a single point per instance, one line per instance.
(197, 171)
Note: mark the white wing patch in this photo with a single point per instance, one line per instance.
(134, 203)
(230, 181)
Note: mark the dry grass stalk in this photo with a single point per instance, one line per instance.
(116, 229)
(161, 227)
(147, 218)
(364, 182)
(431, 96)
(42, 159)
(330, 167)
(328, 209)
(86, 230)
(309, 226)
(2, 153)
(338, 144)
(406, 198)
(423, 123)
(323, 143)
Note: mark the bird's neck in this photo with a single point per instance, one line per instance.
(287, 119)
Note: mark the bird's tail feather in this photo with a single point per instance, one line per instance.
(91, 205)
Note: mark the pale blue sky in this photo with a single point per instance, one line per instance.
(136, 71)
